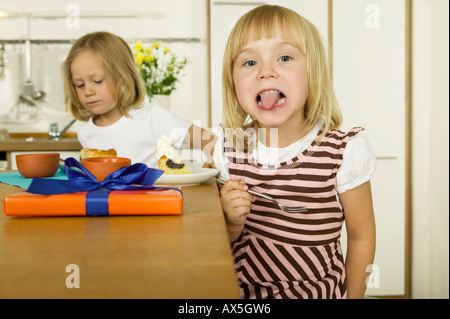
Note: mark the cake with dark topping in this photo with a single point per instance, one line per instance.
(171, 167)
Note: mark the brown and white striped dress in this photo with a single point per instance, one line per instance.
(285, 255)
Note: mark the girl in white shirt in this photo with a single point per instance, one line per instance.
(106, 90)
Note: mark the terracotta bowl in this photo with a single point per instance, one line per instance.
(101, 167)
(38, 164)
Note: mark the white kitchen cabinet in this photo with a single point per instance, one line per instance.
(369, 67)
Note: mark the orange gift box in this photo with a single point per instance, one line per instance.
(120, 202)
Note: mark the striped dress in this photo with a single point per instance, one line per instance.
(286, 255)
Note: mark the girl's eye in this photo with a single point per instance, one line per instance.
(79, 86)
(285, 58)
(250, 63)
(98, 82)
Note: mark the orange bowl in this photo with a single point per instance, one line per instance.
(101, 167)
(38, 164)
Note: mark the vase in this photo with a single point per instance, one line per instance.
(162, 100)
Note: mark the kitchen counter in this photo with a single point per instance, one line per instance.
(186, 256)
(40, 144)
(12, 145)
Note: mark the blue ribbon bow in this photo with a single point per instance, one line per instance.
(135, 177)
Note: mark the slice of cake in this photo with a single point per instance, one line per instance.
(167, 161)
(170, 167)
(92, 152)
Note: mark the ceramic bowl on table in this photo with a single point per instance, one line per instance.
(37, 164)
(101, 167)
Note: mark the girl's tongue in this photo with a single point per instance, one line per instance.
(269, 99)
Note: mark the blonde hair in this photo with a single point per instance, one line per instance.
(321, 103)
(118, 62)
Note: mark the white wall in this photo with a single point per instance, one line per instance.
(430, 153)
(157, 19)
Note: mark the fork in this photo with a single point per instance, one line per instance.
(283, 207)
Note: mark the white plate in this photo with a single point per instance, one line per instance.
(199, 175)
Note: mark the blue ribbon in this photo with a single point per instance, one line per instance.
(135, 177)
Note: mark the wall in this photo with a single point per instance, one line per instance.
(430, 158)
(169, 19)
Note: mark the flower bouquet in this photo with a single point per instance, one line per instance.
(159, 67)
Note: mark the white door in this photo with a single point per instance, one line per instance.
(369, 80)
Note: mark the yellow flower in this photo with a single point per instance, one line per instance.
(139, 58)
(166, 50)
(148, 50)
(156, 44)
(149, 58)
(138, 46)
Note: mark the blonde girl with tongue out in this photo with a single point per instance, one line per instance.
(281, 138)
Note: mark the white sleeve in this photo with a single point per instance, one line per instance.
(220, 160)
(358, 164)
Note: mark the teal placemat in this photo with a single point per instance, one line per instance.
(15, 179)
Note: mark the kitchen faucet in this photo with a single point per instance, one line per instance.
(54, 134)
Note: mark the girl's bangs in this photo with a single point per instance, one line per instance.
(269, 26)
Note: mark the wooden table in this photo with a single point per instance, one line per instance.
(185, 256)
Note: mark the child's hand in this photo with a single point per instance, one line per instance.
(209, 165)
(236, 205)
